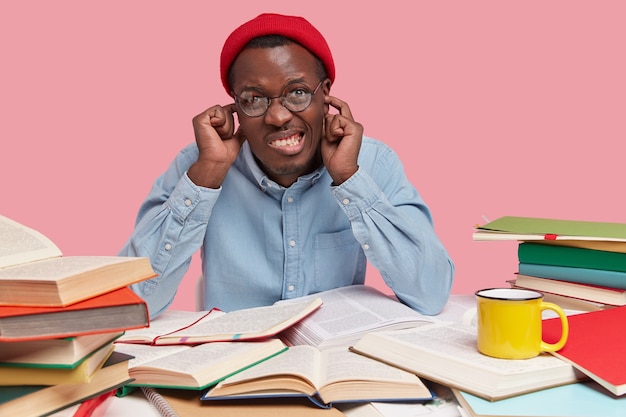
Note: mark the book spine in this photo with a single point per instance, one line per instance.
(600, 277)
(537, 253)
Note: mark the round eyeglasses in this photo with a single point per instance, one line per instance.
(293, 98)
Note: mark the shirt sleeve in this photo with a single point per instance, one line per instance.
(395, 229)
(169, 229)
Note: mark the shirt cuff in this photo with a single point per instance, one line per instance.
(357, 194)
(189, 201)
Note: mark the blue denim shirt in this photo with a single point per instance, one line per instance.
(260, 242)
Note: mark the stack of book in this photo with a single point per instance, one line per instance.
(567, 261)
(59, 318)
(576, 264)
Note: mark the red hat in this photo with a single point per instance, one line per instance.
(293, 27)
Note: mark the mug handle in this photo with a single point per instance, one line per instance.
(552, 347)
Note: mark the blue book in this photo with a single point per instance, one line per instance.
(601, 277)
(583, 399)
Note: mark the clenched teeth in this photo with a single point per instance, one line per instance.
(290, 141)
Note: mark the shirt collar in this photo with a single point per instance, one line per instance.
(265, 182)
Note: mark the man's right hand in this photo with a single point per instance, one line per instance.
(217, 143)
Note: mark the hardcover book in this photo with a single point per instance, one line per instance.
(595, 346)
(190, 328)
(194, 367)
(324, 376)
(37, 400)
(117, 310)
(34, 273)
(446, 353)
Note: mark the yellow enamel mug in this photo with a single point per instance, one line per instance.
(509, 323)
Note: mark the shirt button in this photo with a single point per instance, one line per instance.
(291, 288)
(290, 199)
(292, 243)
(345, 201)
(187, 202)
(366, 246)
(168, 246)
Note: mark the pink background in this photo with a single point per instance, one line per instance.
(495, 107)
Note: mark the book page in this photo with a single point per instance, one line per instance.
(243, 322)
(302, 361)
(353, 310)
(57, 268)
(180, 359)
(167, 322)
(21, 244)
(457, 342)
(145, 353)
(340, 364)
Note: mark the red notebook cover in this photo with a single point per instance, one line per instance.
(596, 345)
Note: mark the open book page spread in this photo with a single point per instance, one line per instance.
(333, 374)
(349, 312)
(446, 353)
(180, 327)
(20, 244)
(204, 363)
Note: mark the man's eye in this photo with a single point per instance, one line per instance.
(297, 94)
(250, 99)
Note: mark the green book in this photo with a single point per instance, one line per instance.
(532, 228)
(541, 254)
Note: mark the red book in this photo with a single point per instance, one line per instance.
(117, 310)
(595, 345)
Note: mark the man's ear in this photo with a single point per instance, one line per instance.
(326, 86)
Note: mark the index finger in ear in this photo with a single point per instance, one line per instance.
(340, 105)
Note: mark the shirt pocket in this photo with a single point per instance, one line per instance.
(339, 260)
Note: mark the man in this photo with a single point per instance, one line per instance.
(295, 199)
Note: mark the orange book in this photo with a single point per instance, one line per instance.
(595, 345)
(117, 310)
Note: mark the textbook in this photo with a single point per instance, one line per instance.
(538, 253)
(349, 312)
(37, 400)
(83, 372)
(600, 277)
(183, 327)
(582, 399)
(65, 352)
(446, 353)
(194, 367)
(117, 310)
(34, 273)
(594, 293)
(554, 230)
(595, 346)
(324, 376)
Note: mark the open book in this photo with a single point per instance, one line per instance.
(183, 327)
(324, 376)
(34, 272)
(348, 313)
(194, 367)
(446, 353)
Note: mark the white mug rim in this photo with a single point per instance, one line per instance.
(509, 294)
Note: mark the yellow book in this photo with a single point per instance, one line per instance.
(83, 372)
